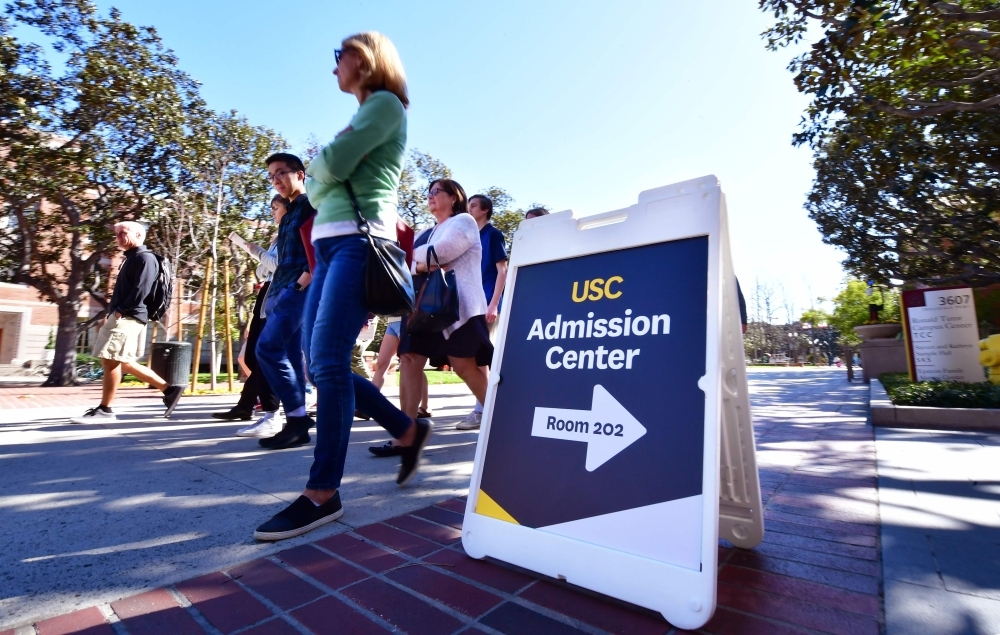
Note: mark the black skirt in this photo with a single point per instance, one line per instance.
(472, 339)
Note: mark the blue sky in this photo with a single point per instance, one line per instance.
(575, 104)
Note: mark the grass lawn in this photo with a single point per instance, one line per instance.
(442, 377)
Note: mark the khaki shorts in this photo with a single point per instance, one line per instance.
(121, 339)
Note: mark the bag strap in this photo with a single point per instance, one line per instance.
(432, 252)
(363, 226)
(423, 287)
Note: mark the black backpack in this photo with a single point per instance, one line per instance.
(158, 300)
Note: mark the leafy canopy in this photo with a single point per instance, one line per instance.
(851, 308)
(905, 125)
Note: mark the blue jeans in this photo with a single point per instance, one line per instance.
(279, 349)
(335, 312)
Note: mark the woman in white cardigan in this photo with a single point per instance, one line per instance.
(466, 343)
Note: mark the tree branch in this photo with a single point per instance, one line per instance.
(968, 80)
(956, 13)
(939, 109)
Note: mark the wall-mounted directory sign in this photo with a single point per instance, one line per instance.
(942, 334)
(617, 399)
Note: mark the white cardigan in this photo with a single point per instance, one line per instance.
(456, 243)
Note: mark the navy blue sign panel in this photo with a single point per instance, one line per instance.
(598, 409)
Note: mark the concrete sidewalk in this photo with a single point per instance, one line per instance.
(939, 501)
(144, 527)
(95, 513)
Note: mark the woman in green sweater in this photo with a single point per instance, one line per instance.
(369, 154)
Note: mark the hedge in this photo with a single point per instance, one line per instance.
(940, 394)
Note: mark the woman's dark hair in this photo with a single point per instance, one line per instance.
(535, 212)
(461, 205)
(485, 203)
(278, 198)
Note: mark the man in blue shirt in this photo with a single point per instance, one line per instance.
(494, 269)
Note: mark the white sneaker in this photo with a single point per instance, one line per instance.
(95, 415)
(267, 426)
(311, 397)
(471, 422)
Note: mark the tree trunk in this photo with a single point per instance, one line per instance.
(63, 371)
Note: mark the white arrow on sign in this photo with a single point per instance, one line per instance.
(607, 427)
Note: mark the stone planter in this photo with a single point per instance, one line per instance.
(878, 331)
(880, 351)
(887, 415)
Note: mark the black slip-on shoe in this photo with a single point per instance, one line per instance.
(301, 516)
(234, 415)
(412, 453)
(295, 433)
(423, 414)
(386, 449)
(171, 396)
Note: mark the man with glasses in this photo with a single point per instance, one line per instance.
(279, 349)
(120, 340)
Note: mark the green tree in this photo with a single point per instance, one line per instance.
(419, 171)
(508, 220)
(99, 143)
(815, 316)
(851, 308)
(905, 125)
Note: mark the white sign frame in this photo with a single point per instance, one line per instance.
(684, 596)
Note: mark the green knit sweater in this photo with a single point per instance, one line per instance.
(369, 154)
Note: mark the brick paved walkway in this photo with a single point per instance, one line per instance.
(818, 570)
(33, 395)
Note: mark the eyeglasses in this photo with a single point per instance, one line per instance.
(436, 191)
(271, 178)
(336, 54)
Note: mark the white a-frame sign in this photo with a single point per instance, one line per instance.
(617, 446)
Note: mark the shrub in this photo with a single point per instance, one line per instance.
(940, 394)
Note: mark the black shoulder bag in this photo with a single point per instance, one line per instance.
(437, 302)
(388, 285)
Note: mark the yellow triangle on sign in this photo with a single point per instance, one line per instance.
(488, 507)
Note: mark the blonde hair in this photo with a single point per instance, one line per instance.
(138, 231)
(381, 67)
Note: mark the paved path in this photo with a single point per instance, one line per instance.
(939, 496)
(93, 513)
(19, 394)
(97, 516)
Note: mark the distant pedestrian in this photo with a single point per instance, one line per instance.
(535, 212)
(494, 273)
(256, 387)
(123, 334)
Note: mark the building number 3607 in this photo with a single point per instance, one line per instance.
(953, 299)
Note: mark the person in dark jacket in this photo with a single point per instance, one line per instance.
(279, 348)
(122, 337)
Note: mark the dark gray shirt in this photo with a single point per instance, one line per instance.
(136, 278)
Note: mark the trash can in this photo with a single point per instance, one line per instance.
(171, 361)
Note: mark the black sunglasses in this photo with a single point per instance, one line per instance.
(336, 55)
